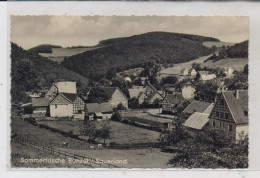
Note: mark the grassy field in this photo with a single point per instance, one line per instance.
(35, 133)
(120, 133)
(142, 158)
(178, 67)
(209, 44)
(235, 63)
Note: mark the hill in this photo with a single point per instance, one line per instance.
(30, 71)
(134, 51)
(239, 50)
(45, 48)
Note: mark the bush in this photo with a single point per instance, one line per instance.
(116, 117)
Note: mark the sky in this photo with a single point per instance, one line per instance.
(66, 31)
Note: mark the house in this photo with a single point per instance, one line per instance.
(231, 112)
(61, 87)
(188, 91)
(184, 72)
(67, 105)
(99, 110)
(40, 105)
(116, 96)
(192, 72)
(138, 93)
(206, 76)
(151, 94)
(171, 102)
(198, 107)
(197, 113)
(228, 71)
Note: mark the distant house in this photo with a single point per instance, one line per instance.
(199, 107)
(192, 72)
(99, 110)
(67, 105)
(40, 105)
(116, 96)
(61, 87)
(184, 72)
(206, 76)
(228, 71)
(171, 102)
(231, 112)
(138, 93)
(197, 113)
(151, 94)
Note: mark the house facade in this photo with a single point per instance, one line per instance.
(67, 105)
(193, 72)
(231, 113)
(171, 102)
(116, 96)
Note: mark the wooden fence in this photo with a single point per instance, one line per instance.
(55, 151)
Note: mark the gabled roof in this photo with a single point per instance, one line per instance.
(151, 86)
(197, 121)
(70, 96)
(66, 87)
(175, 98)
(109, 91)
(205, 75)
(237, 105)
(198, 106)
(40, 102)
(96, 107)
(135, 92)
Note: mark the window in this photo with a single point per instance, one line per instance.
(221, 114)
(230, 128)
(217, 114)
(226, 115)
(56, 106)
(246, 113)
(213, 123)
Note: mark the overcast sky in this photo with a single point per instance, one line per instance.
(30, 31)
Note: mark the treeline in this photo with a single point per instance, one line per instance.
(239, 50)
(30, 71)
(45, 48)
(134, 51)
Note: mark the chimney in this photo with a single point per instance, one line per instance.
(237, 94)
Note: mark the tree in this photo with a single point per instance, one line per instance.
(116, 117)
(245, 70)
(97, 95)
(105, 131)
(120, 106)
(138, 81)
(111, 73)
(170, 80)
(157, 102)
(206, 91)
(89, 129)
(134, 103)
(196, 66)
(237, 82)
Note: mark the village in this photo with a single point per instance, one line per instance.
(138, 118)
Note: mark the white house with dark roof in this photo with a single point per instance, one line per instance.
(231, 112)
(67, 105)
(206, 76)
